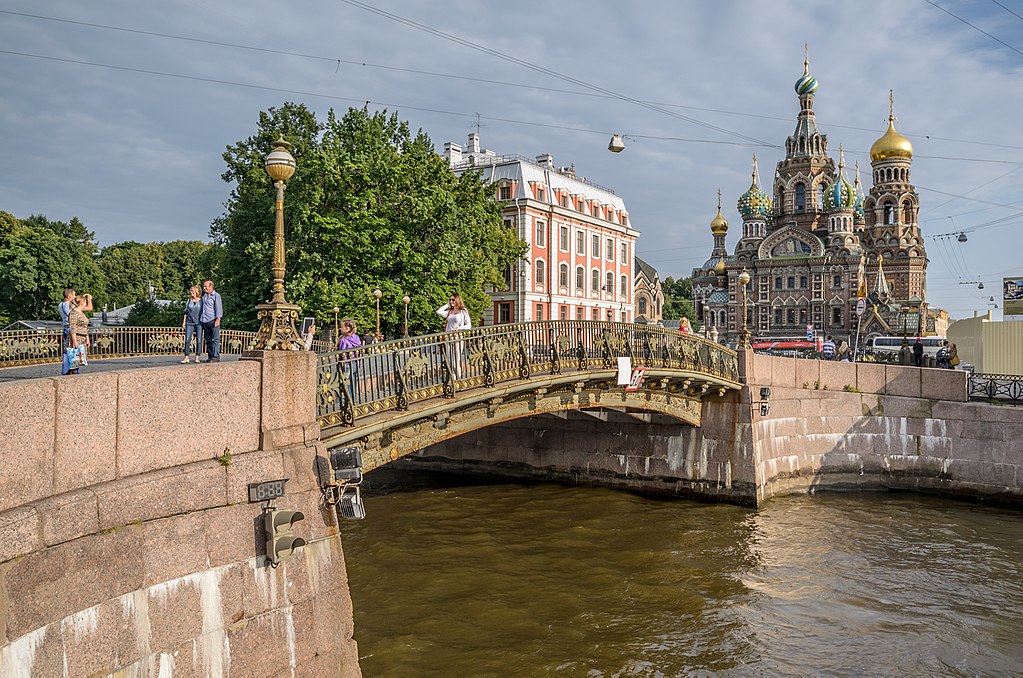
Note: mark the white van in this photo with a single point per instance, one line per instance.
(893, 344)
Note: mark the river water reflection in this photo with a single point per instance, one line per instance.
(537, 580)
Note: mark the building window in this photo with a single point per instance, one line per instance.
(623, 285)
(563, 238)
(509, 224)
(504, 193)
(800, 198)
(581, 204)
(642, 305)
(777, 316)
(777, 283)
(802, 282)
(820, 197)
(563, 275)
(580, 243)
(580, 313)
(596, 211)
(610, 252)
(625, 253)
(625, 220)
(609, 283)
(836, 316)
(504, 313)
(791, 282)
(541, 237)
(541, 194)
(595, 280)
(580, 278)
(790, 316)
(563, 312)
(596, 314)
(539, 312)
(802, 316)
(564, 200)
(836, 281)
(595, 246)
(538, 268)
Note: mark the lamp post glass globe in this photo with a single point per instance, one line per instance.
(377, 294)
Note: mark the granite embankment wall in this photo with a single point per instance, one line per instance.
(841, 425)
(127, 543)
(830, 425)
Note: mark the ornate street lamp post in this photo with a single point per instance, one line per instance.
(277, 317)
(337, 334)
(377, 294)
(744, 338)
(405, 300)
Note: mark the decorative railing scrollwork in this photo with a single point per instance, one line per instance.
(394, 374)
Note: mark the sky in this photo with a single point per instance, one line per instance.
(118, 111)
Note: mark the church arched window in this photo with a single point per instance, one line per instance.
(889, 212)
(800, 198)
(642, 305)
(820, 197)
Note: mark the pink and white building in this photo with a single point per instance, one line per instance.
(580, 261)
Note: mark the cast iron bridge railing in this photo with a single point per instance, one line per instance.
(358, 383)
(997, 388)
(33, 347)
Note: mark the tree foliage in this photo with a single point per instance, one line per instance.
(370, 205)
(678, 300)
(150, 313)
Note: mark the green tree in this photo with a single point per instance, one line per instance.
(370, 206)
(149, 313)
(678, 300)
(38, 259)
(184, 265)
(133, 272)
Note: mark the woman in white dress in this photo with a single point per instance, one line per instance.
(456, 318)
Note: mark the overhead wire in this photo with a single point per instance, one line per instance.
(351, 62)
(976, 28)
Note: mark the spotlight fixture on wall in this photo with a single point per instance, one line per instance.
(616, 145)
(344, 492)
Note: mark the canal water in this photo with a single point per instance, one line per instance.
(462, 579)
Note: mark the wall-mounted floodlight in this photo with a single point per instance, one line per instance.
(344, 492)
(616, 145)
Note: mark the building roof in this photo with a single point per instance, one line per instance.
(646, 269)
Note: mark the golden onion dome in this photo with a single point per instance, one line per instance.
(892, 144)
(718, 225)
(719, 268)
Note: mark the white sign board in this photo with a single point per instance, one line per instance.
(861, 307)
(624, 371)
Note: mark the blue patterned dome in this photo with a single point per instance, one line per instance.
(754, 202)
(806, 84)
(840, 195)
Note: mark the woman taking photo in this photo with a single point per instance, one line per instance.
(190, 323)
(456, 318)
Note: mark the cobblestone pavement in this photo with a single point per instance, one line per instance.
(107, 365)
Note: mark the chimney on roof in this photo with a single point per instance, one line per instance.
(474, 143)
(452, 153)
(545, 160)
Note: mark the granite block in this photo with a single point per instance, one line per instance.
(943, 384)
(287, 393)
(902, 381)
(173, 547)
(253, 467)
(168, 416)
(233, 534)
(20, 532)
(68, 516)
(85, 444)
(26, 441)
(870, 377)
(262, 646)
(161, 493)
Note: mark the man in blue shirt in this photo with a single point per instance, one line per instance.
(209, 318)
(64, 308)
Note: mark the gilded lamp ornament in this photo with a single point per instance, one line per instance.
(277, 317)
(744, 334)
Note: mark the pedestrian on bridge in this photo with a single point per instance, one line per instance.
(212, 312)
(456, 318)
(828, 349)
(190, 323)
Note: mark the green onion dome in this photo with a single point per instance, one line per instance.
(754, 202)
(807, 84)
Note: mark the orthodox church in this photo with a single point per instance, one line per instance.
(821, 243)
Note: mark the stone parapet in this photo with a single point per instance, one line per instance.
(127, 543)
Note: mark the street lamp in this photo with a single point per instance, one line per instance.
(405, 300)
(337, 334)
(377, 294)
(277, 317)
(744, 342)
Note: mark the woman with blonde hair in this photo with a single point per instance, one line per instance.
(78, 331)
(456, 318)
(190, 322)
